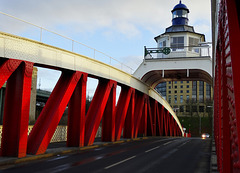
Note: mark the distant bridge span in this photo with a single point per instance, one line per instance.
(140, 109)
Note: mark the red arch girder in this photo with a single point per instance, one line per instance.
(227, 95)
(18, 75)
(136, 113)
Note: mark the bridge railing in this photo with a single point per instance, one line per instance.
(17, 26)
(203, 50)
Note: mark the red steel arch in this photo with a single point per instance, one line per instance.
(135, 113)
(226, 89)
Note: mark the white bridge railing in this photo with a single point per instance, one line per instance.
(19, 27)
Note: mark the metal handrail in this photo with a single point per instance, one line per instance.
(174, 50)
(73, 41)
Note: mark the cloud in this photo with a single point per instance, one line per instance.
(124, 17)
(89, 16)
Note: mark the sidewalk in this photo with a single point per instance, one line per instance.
(213, 165)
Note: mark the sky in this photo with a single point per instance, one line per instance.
(120, 29)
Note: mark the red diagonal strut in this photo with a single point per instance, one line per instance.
(96, 109)
(125, 113)
(52, 112)
(76, 114)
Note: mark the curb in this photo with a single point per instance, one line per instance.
(28, 158)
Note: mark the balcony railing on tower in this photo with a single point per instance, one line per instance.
(202, 50)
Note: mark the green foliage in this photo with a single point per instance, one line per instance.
(193, 123)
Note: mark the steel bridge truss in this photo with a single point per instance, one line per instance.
(134, 114)
(226, 89)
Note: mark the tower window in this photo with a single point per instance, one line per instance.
(177, 43)
(180, 13)
(192, 43)
(162, 44)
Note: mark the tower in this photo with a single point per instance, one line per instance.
(184, 42)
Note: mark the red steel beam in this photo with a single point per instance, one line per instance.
(158, 121)
(7, 68)
(96, 109)
(125, 113)
(142, 129)
(128, 129)
(52, 112)
(16, 107)
(108, 119)
(138, 111)
(151, 107)
(76, 114)
(162, 124)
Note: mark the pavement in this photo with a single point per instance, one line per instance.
(59, 148)
(213, 163)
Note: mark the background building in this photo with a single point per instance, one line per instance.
(188, 98)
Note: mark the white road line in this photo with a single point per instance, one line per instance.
(183, 144)
(115, 164)
(169, 153)
(152, 149)
(167, 142)
(160, 140)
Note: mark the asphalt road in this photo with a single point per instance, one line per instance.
(161, 155)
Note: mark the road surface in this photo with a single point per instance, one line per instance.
(164, 155)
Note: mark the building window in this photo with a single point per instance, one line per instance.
(187, 81)
(175, 99)
(187, 97)
(201, 91)
(181, 98)
(187, 86)
(169, 99)
(187, 108)
(175, 86)
(177, 43)
(169, 87)
(175, 91)
(187, 91)
(175, 82)
(201, 108)
(181, 81)
(161, 88)
(194, 91)
(181, 108)
(169, 92)
(208, 91)
(194, 108)
(169, 82)
(181, 86)
(181, 91)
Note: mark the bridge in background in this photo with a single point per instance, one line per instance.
(140, 109)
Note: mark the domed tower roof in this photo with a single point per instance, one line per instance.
(180, 14)
(180, 6)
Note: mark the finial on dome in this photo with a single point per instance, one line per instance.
(180, 2)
